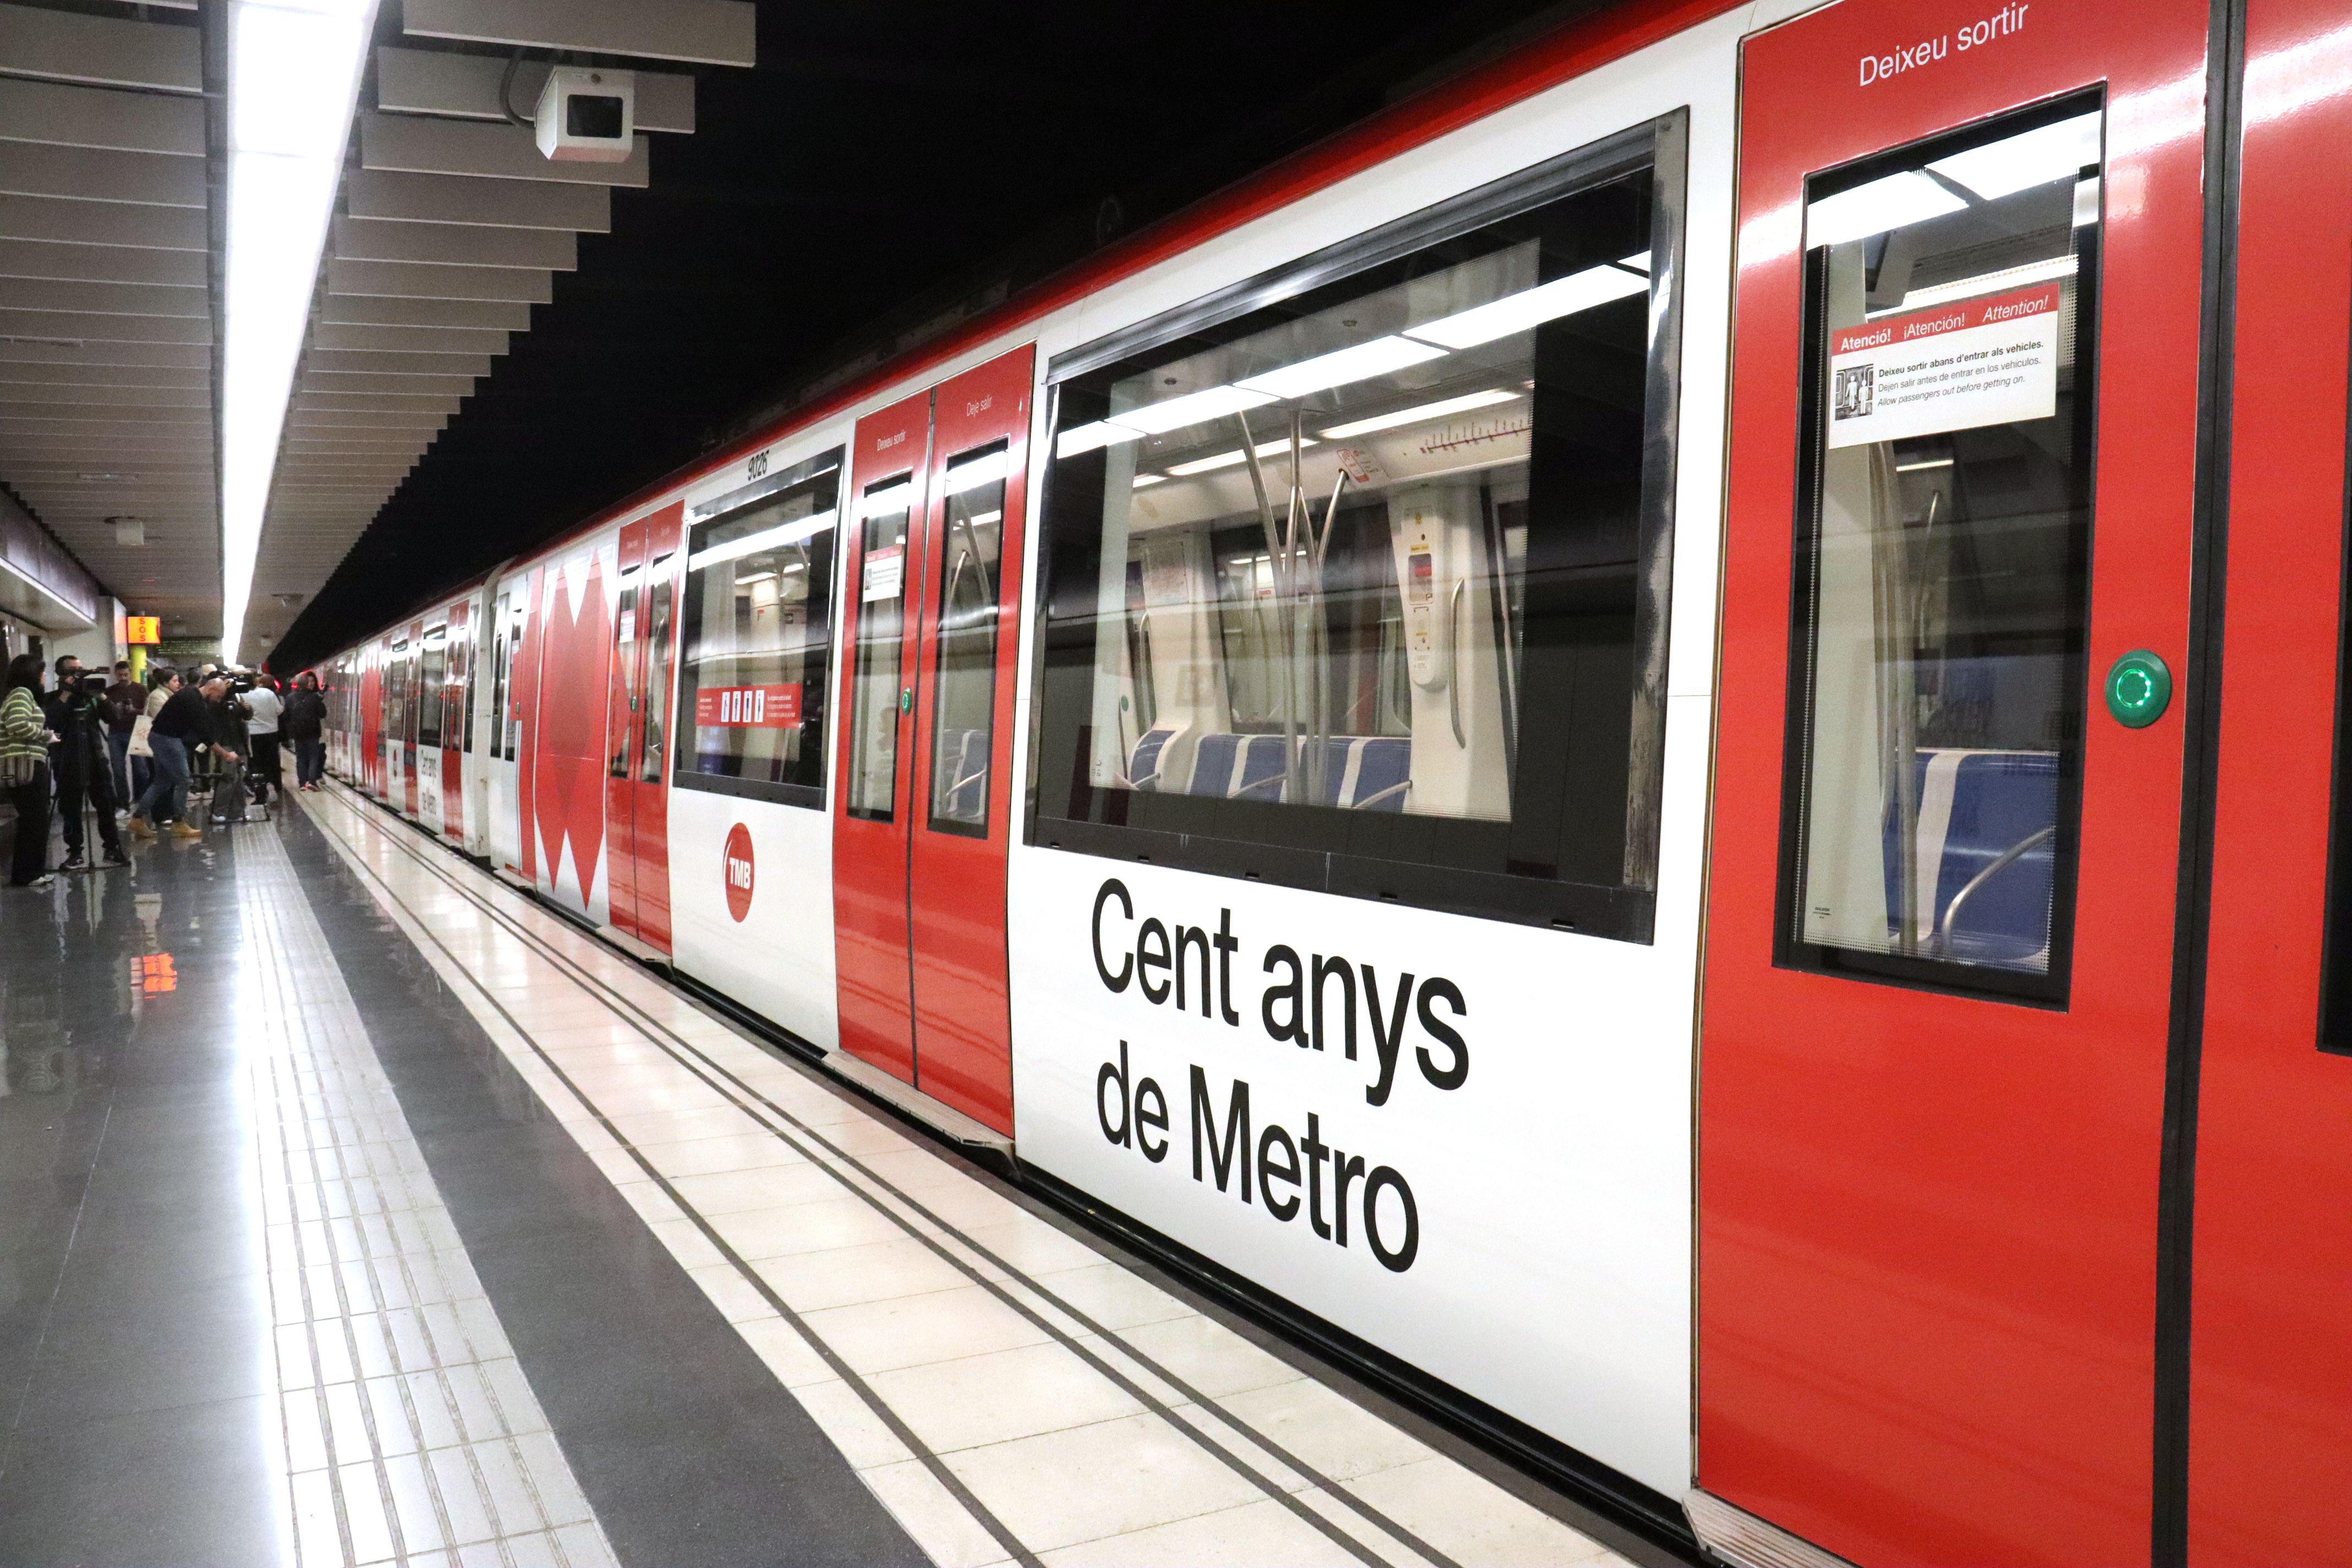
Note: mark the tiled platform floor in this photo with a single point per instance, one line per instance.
(430, 1230)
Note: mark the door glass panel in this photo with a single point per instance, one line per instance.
(873, 688)
(461, 678)
(658, 618)
(1943, 559)
(497, 680)
(625, 675)
(512, 721)
(971, 548)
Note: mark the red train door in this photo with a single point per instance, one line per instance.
(939, 486)
(2270, 1389)
(1946, 835)
(636, 803)
(368, 763)
(412, 709)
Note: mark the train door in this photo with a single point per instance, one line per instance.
(2268, 1392)
(637, 729)
(456, 724)
(395, 720)
(1947, 837)
(938, 487)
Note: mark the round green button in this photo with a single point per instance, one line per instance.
(2139, 688)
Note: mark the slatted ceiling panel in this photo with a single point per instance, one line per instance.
(85, 222)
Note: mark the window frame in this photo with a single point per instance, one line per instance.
(1790, 949)
(1270, 850)
(709, 513)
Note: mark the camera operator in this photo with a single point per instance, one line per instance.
(230, 713)
(77, 714)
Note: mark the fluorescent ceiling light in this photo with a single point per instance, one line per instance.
(775, 537)
(1361, 363)
(2031, 158)
(1228, 459)
(1988, 282)
(970, 473)
(1639, 263)
(755, 577)
(1531, 308)
(1193, 408)
(293, 77)
(1890, 202)
(1420, 411)
(984, 520)
(888, 501)
(1923, 463)
(1087, 437)
(1143, 480)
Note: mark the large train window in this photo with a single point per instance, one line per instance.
(757, 643)
(883, 512)
(1943, 550)
(1357, 577)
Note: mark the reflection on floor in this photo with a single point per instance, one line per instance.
(356, 1209)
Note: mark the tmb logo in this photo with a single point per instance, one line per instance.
(739, 871)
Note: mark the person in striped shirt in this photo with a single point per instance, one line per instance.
(24, 770)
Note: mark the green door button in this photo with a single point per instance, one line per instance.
(2139, 688)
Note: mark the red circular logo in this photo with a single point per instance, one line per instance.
(738, 870)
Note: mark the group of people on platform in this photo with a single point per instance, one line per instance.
(123, 753)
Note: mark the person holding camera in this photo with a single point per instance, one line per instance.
(77, 713)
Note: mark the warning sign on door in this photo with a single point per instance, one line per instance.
(1990, 360)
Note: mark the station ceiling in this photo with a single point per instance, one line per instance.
(499, 346)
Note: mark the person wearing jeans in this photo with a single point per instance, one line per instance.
(186, 720)
(167, 788)
(304, 723)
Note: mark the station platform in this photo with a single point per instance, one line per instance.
(356, 1209)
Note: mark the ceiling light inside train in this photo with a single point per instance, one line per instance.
(2030, 158)
(1231, 459)
(1531, 308)
(973, 472)
(1420, 411)
(885, 502)
(1361, 363)
(293, 77)
(1892, 202)
(780, 536)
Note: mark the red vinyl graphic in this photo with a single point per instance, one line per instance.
(738, 869)
(570, 782)
(1928, 1216)
(748, 707)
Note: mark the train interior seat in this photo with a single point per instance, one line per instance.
(1361, 772)
(1975, 808)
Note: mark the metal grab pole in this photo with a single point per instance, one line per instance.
(1278, 560)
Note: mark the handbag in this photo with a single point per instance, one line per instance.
(139, 746)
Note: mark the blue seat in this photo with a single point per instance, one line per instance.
(1260, 773)
(1143, 766)
(1212, 764)
(1383, 769)
(1366, 772)
(1974, 807)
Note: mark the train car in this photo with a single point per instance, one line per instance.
(1582, 744)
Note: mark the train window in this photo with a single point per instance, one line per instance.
(622, 727)
(1943, 557)
(498, 679)
(432, 685)
(964, 708)
(395, 692)
(882, 516)
(461, 678)
(757, 647)
(511, 724)
(1364, 589)
(658, 636)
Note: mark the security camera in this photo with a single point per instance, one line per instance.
(587, 116)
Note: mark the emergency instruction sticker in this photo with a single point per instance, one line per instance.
(1987, 361)
(885, 570)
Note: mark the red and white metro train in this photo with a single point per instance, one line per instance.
(1655, 744)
